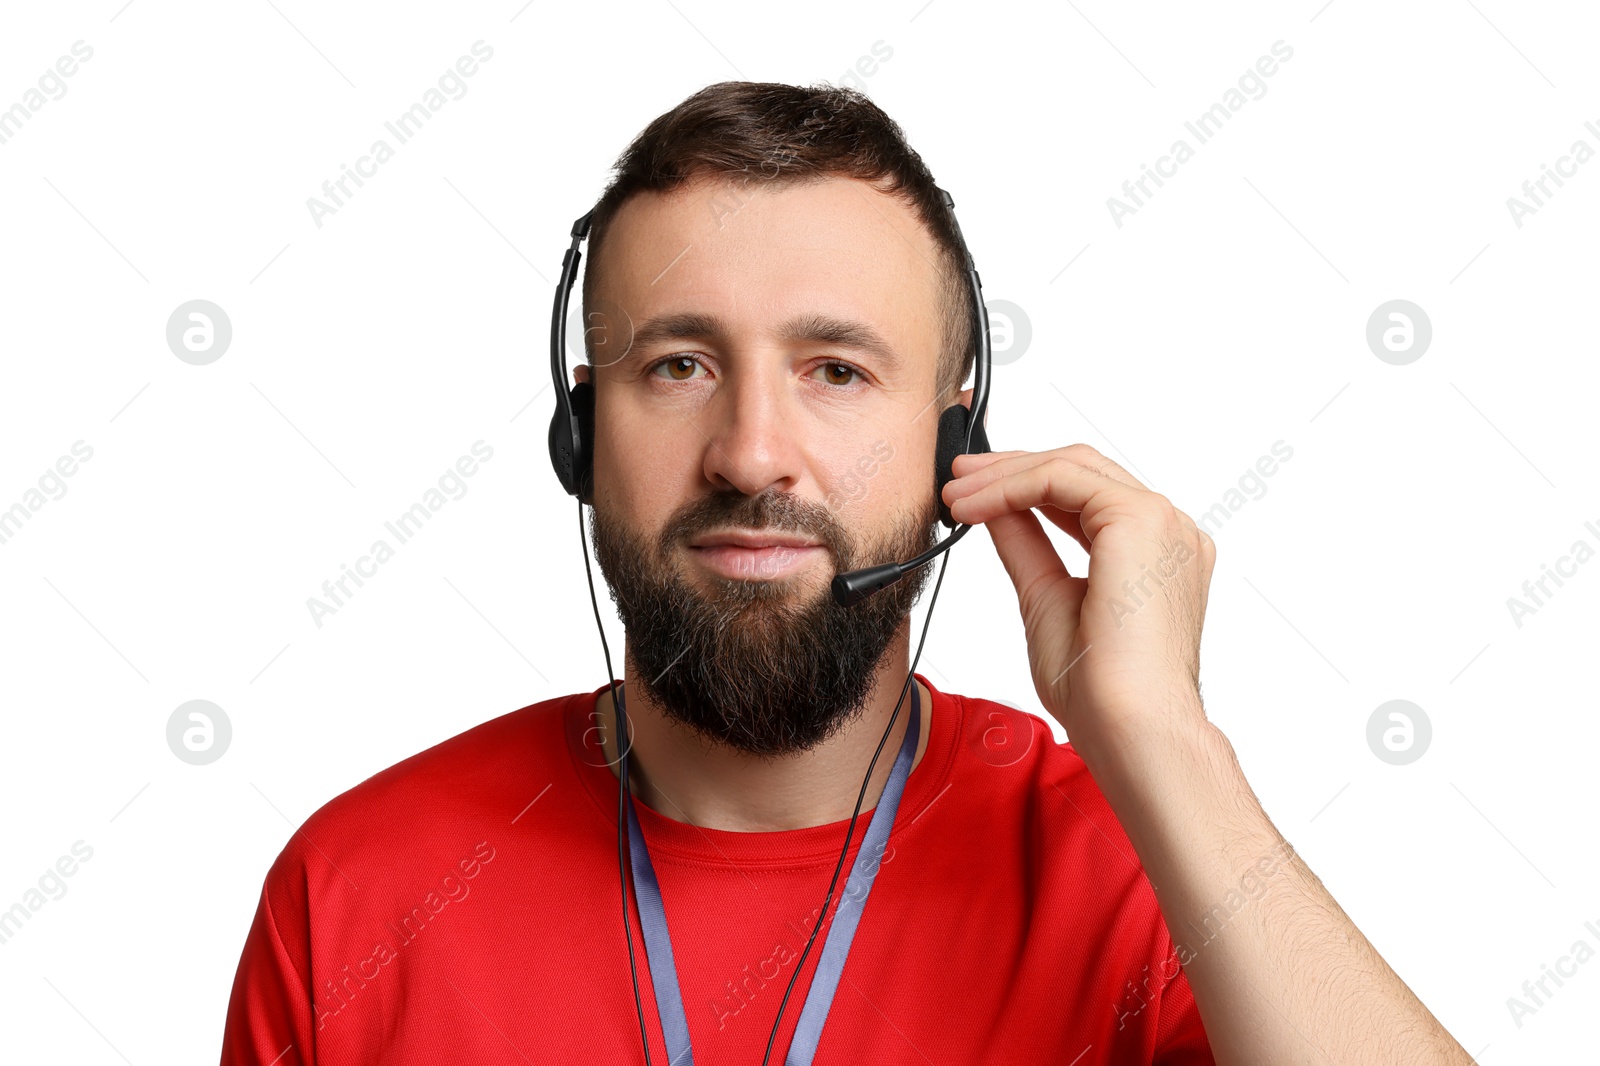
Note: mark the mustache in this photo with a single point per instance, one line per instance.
(770, 509)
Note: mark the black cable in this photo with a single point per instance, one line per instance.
(857, 812)
(622, 787)
(624, 795)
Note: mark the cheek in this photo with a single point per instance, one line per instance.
(642, 476)
(876, 476)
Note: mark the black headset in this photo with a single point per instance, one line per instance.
(961, 432)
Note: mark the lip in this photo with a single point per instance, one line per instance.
(754, 539)
(755, 554)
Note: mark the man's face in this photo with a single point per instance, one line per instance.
(766, 360)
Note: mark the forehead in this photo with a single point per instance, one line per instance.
(756, 253)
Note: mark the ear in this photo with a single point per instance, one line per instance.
(952, 441)
(581, 372)
(964, 398)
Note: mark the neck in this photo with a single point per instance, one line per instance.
(679, 774)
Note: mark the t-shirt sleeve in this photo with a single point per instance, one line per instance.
(269, 1019)
(1180, 1036)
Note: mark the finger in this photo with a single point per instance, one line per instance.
(968, 462)
(975, 477)
(1025, 549)
(1080, 453)
(1068, 521)
(1206, 546)
(1109, 467)
(1048, 596)
(1055, 482)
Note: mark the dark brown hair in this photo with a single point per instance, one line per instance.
(769, 131)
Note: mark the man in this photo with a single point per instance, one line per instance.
(776, 317)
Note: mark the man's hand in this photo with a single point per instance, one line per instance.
(1116, 653)
(1116, 659)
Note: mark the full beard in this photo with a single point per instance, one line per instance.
(752, 664)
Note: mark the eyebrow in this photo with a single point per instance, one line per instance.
(843, 332)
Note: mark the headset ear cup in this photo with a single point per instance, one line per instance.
(953, 442)
(583, 459)
(560, 442)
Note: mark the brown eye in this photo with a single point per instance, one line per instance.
(679, 368)
(838, 373)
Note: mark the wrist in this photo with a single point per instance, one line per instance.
(1163, 733)
(1174, 780)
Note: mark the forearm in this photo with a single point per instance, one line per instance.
(1279, 972)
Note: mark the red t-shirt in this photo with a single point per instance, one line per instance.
(464, 906)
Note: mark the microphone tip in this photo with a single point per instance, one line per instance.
(851, 588)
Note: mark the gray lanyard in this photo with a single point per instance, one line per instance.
(836, 945)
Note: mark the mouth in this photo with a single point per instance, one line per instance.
(756, 554)
(754, 538)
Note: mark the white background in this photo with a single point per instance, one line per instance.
(371, 352)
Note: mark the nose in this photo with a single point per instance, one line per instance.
(751, 429)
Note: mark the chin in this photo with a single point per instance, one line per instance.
(797, 593)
